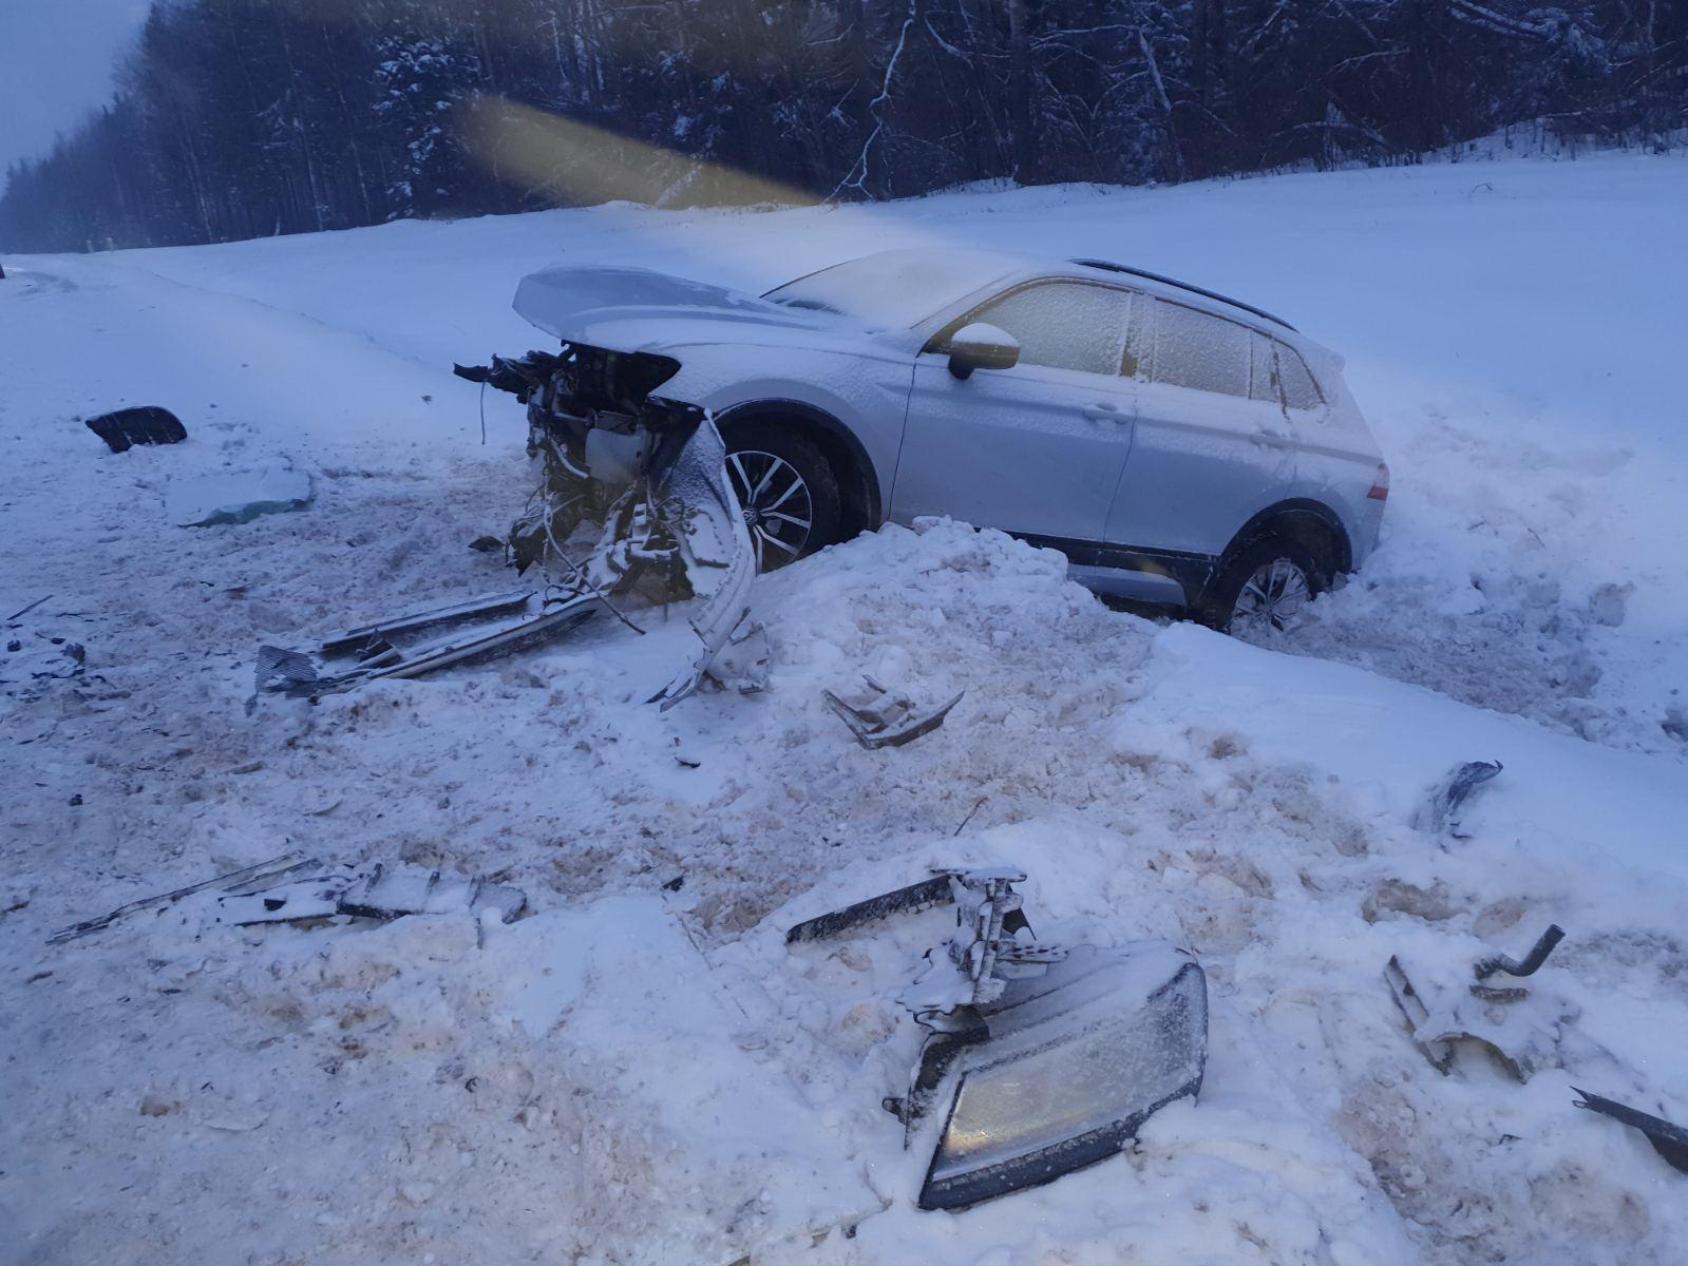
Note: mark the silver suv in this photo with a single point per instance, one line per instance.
(1179, 447)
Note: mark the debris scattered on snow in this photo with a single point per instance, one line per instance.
(1669, 1141)
(1545, 943)
(1050, 1057)
(1436, 815)
(145, 424)
(211, 500)
(376, 894)
(880, 717)
(263, 872)
(1523, 1031)
(485, 628)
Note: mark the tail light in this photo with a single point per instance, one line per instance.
(1380, 486)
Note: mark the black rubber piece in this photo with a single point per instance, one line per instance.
(145, 424)
(1532, 961)
(800, 453)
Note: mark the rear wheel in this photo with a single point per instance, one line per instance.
(786, 489)
(1266, 587)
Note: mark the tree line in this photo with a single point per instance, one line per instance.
(241, 118)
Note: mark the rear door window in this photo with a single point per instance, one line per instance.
(1200, 351)
(1065, 325)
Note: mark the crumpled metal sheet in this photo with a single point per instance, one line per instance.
(703, 512)
(882, 717)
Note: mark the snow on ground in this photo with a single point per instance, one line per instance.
(642, 1072)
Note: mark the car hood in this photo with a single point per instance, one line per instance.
(640, 310)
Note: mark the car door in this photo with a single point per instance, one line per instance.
(1212, 446)
(1036, 449)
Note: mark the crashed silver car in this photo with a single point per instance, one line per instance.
(1180, 447)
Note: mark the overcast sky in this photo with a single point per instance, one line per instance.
(56, 63)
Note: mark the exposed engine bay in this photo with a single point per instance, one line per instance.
(596, 428)
(666, 509)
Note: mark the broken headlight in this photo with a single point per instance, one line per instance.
(1052, 1057)
(1073, 1060)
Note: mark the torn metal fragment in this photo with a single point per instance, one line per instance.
(1668, 1140)
(274, 869)
(1412, 1006)
(713, 544)
(744, 663)
(880, 717)
(1523, 1031)
(516, 622)
(388, 894)
(378, 893)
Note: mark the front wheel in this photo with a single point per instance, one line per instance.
(786, 489)
(1265, 588)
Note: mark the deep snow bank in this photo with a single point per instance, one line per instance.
(289, 1095)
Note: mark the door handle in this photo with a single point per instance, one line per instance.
(1102, 411)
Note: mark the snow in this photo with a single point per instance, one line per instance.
(643, 1072)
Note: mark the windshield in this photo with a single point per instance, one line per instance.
(893, 288)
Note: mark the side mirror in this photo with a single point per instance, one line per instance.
(981, 346)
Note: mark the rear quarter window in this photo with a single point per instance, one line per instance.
(1281, 377)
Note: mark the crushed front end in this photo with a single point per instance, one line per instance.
(595, 428)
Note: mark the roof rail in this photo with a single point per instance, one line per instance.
(1109, 266)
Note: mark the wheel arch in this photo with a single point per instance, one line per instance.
(1301, 519)
(863, 503)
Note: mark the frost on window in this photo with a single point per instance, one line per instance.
(1263, 377)
(1193, 349)
(1300, 391)
(1281, 377)
(1065, 325)
(1140, 339)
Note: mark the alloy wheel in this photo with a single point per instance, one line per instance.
(1275, 597)
(778, 510)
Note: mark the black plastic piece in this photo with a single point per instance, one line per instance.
(921, 896)
(1109, 266)
(145, 424)
(522, 377)
(1669, 1141)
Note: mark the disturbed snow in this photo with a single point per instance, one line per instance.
(641, 1072)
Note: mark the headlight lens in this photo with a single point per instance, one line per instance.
(1069, 1074)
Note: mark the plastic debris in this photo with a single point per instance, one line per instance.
(1436, 815)
(146, 424)
(1669, 1141)
(244, 880)
(378, 893)
(210, 500)
(1050, 1057)
(1522, 1030)
(881, 717)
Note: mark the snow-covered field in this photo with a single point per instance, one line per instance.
(642, 1072)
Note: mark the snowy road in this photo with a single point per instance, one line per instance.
(175, 1092)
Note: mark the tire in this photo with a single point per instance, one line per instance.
(1287, 575)
(788, 489)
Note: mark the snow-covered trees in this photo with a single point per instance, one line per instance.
(245, 117)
